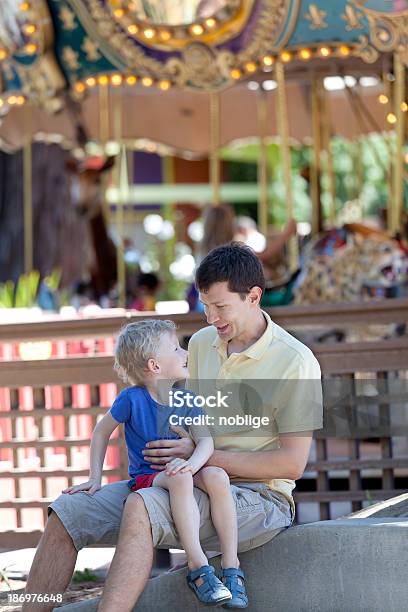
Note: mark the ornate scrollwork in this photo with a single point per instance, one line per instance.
(215, 62)
(388, 29)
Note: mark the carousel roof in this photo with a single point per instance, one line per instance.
(56, 53)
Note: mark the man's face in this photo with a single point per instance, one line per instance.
(227, 311)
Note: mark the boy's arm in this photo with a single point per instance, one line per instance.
(203, 450)
(99, 443)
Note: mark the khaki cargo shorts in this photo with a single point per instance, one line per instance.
(261, 513)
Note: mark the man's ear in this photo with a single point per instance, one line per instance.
(153, 366)
(255, 295)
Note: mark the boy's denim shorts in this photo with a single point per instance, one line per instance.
(261, 513)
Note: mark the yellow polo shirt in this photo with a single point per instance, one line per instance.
(282, 377)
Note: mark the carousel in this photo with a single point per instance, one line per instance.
(105, 78)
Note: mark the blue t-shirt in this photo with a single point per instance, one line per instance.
(145, 420)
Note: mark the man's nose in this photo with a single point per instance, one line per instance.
(212, 317)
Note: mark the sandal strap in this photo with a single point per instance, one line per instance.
(232, 572)
(204, 571)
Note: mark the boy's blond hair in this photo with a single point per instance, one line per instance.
(135, 345)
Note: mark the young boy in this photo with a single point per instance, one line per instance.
(149, 357)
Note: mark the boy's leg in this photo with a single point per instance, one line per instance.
(215, 482)
(185, 513)
(53, 564)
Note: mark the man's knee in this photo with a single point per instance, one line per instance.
(135, 507)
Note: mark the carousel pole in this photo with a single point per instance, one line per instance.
(282, 120)
(28, 208)
(327, 135)
(28, 196)
(262, 110)
(398, 168)
(123, 184)
(104, 131)
(215, 174)
(317, 145)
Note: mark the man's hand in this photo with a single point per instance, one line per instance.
(160, 452)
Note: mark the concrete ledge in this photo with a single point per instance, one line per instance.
(347, 565)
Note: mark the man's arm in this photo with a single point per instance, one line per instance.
(288, 461)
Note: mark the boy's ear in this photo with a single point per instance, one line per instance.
(153, 366)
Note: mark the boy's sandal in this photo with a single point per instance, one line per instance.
(211, 591)
(234, 580)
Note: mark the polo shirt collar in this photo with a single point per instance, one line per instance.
(257, 349)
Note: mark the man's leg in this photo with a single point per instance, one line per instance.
(131, 566)
(53, 564)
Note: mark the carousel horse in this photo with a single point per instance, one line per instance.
(351, 264)
(86, 196)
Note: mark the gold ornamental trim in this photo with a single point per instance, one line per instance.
(388, 30)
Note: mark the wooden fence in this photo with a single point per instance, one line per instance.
(350, 470)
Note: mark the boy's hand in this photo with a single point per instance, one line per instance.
(90, 487)
(178, 465)
(161, 452)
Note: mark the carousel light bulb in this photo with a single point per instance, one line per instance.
(103, 80)
(324, 51)
(3, 54)
(383, 99)
(406, 158)
(305, 54)
(20, 100)
(250, 67)
(197, 29)
(344, 50)
(235, 73)
(210, 22)
(29, 28)
(164, 85)
(147, 81)
(24, 6)
(391, 118)
(286, 56)
(90, 81)
(131, 79)
(164, 35)
(116, 80)
(12, 100)
(404, 107)
(149, 33)
(30, 49)
(79, 87)
(119, 12)
(133, 29)
(268, 60)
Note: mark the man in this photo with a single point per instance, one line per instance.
(241, 343)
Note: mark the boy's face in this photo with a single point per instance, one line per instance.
(227, 311)
(171, 359)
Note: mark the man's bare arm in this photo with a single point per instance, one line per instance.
(288, 461)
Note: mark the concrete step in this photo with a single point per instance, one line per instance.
(345, 565)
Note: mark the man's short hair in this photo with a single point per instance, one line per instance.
(135, 345)
(234, 263)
